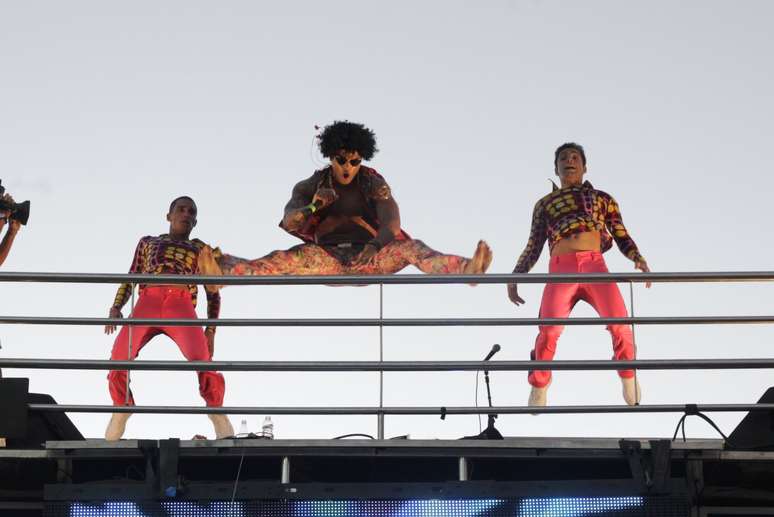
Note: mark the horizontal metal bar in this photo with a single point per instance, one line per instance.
(500, 410)
(387, 366)
(387, 322)
(412, 279)
(436, 447)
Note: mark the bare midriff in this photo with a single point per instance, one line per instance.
(178, 287)
(585, 241)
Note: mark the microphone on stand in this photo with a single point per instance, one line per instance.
(490, 433)
(492, 352)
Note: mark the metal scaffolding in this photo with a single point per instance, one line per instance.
(382, 366)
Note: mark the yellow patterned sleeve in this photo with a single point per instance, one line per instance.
(213, 299)
(615, 225)
(125, 290)
(537, 239)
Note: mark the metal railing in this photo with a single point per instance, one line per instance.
(382, 366)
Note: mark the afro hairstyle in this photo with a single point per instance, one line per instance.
(349, 136)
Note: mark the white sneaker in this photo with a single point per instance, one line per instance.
(631, 390)
(116, 426)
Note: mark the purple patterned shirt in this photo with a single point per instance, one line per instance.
(572, 210)
(164, 255)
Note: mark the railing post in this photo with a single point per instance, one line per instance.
(380, 416)
(129, 354)
(634, 340)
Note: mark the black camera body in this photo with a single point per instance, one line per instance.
(19, 211)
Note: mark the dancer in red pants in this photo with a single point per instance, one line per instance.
(579, 223)
(173, 253)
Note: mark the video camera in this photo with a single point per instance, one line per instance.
(19, 211)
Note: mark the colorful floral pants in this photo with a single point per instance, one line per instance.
(311, 259)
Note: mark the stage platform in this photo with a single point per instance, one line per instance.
(684, 476)
(48, 470)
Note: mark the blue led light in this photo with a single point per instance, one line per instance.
(410, 508)
(526, 507)
(575, 506)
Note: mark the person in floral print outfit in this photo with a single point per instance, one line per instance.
(349, 221)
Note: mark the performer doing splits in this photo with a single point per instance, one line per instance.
(578, 222)
(349, 222)
(177, 254)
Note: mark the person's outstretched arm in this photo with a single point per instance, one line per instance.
(13, 229)
(213, 312)
(537, 238)
(615, 225)
(10, 235)
(125, 290)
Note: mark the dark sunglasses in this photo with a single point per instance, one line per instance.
(353, 163)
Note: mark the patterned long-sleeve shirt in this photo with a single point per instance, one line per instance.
(163, 255)
(571, 210)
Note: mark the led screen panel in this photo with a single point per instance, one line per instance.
(523, 507)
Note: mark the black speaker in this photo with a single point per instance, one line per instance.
(756, 430)
(25, 429)
(13, 407)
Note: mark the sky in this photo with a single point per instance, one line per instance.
(110, 110)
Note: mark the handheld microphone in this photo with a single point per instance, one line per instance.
(492, 352)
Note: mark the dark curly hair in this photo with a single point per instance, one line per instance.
(569, 145)
(350, 136)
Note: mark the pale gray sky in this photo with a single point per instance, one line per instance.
(108, 110)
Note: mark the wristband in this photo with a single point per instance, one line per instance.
(312, 207)
(375, 243)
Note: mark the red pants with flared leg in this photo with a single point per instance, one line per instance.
(165, 302)
(559, 299)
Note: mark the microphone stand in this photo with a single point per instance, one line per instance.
(490, 433)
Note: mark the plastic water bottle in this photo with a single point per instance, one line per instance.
(243, 428)
(268, 428)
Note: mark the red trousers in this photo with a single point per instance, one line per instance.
(559, 299)
(165, 302)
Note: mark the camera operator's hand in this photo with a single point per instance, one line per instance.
(5, 214)
(13, 227)
(115, 314)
